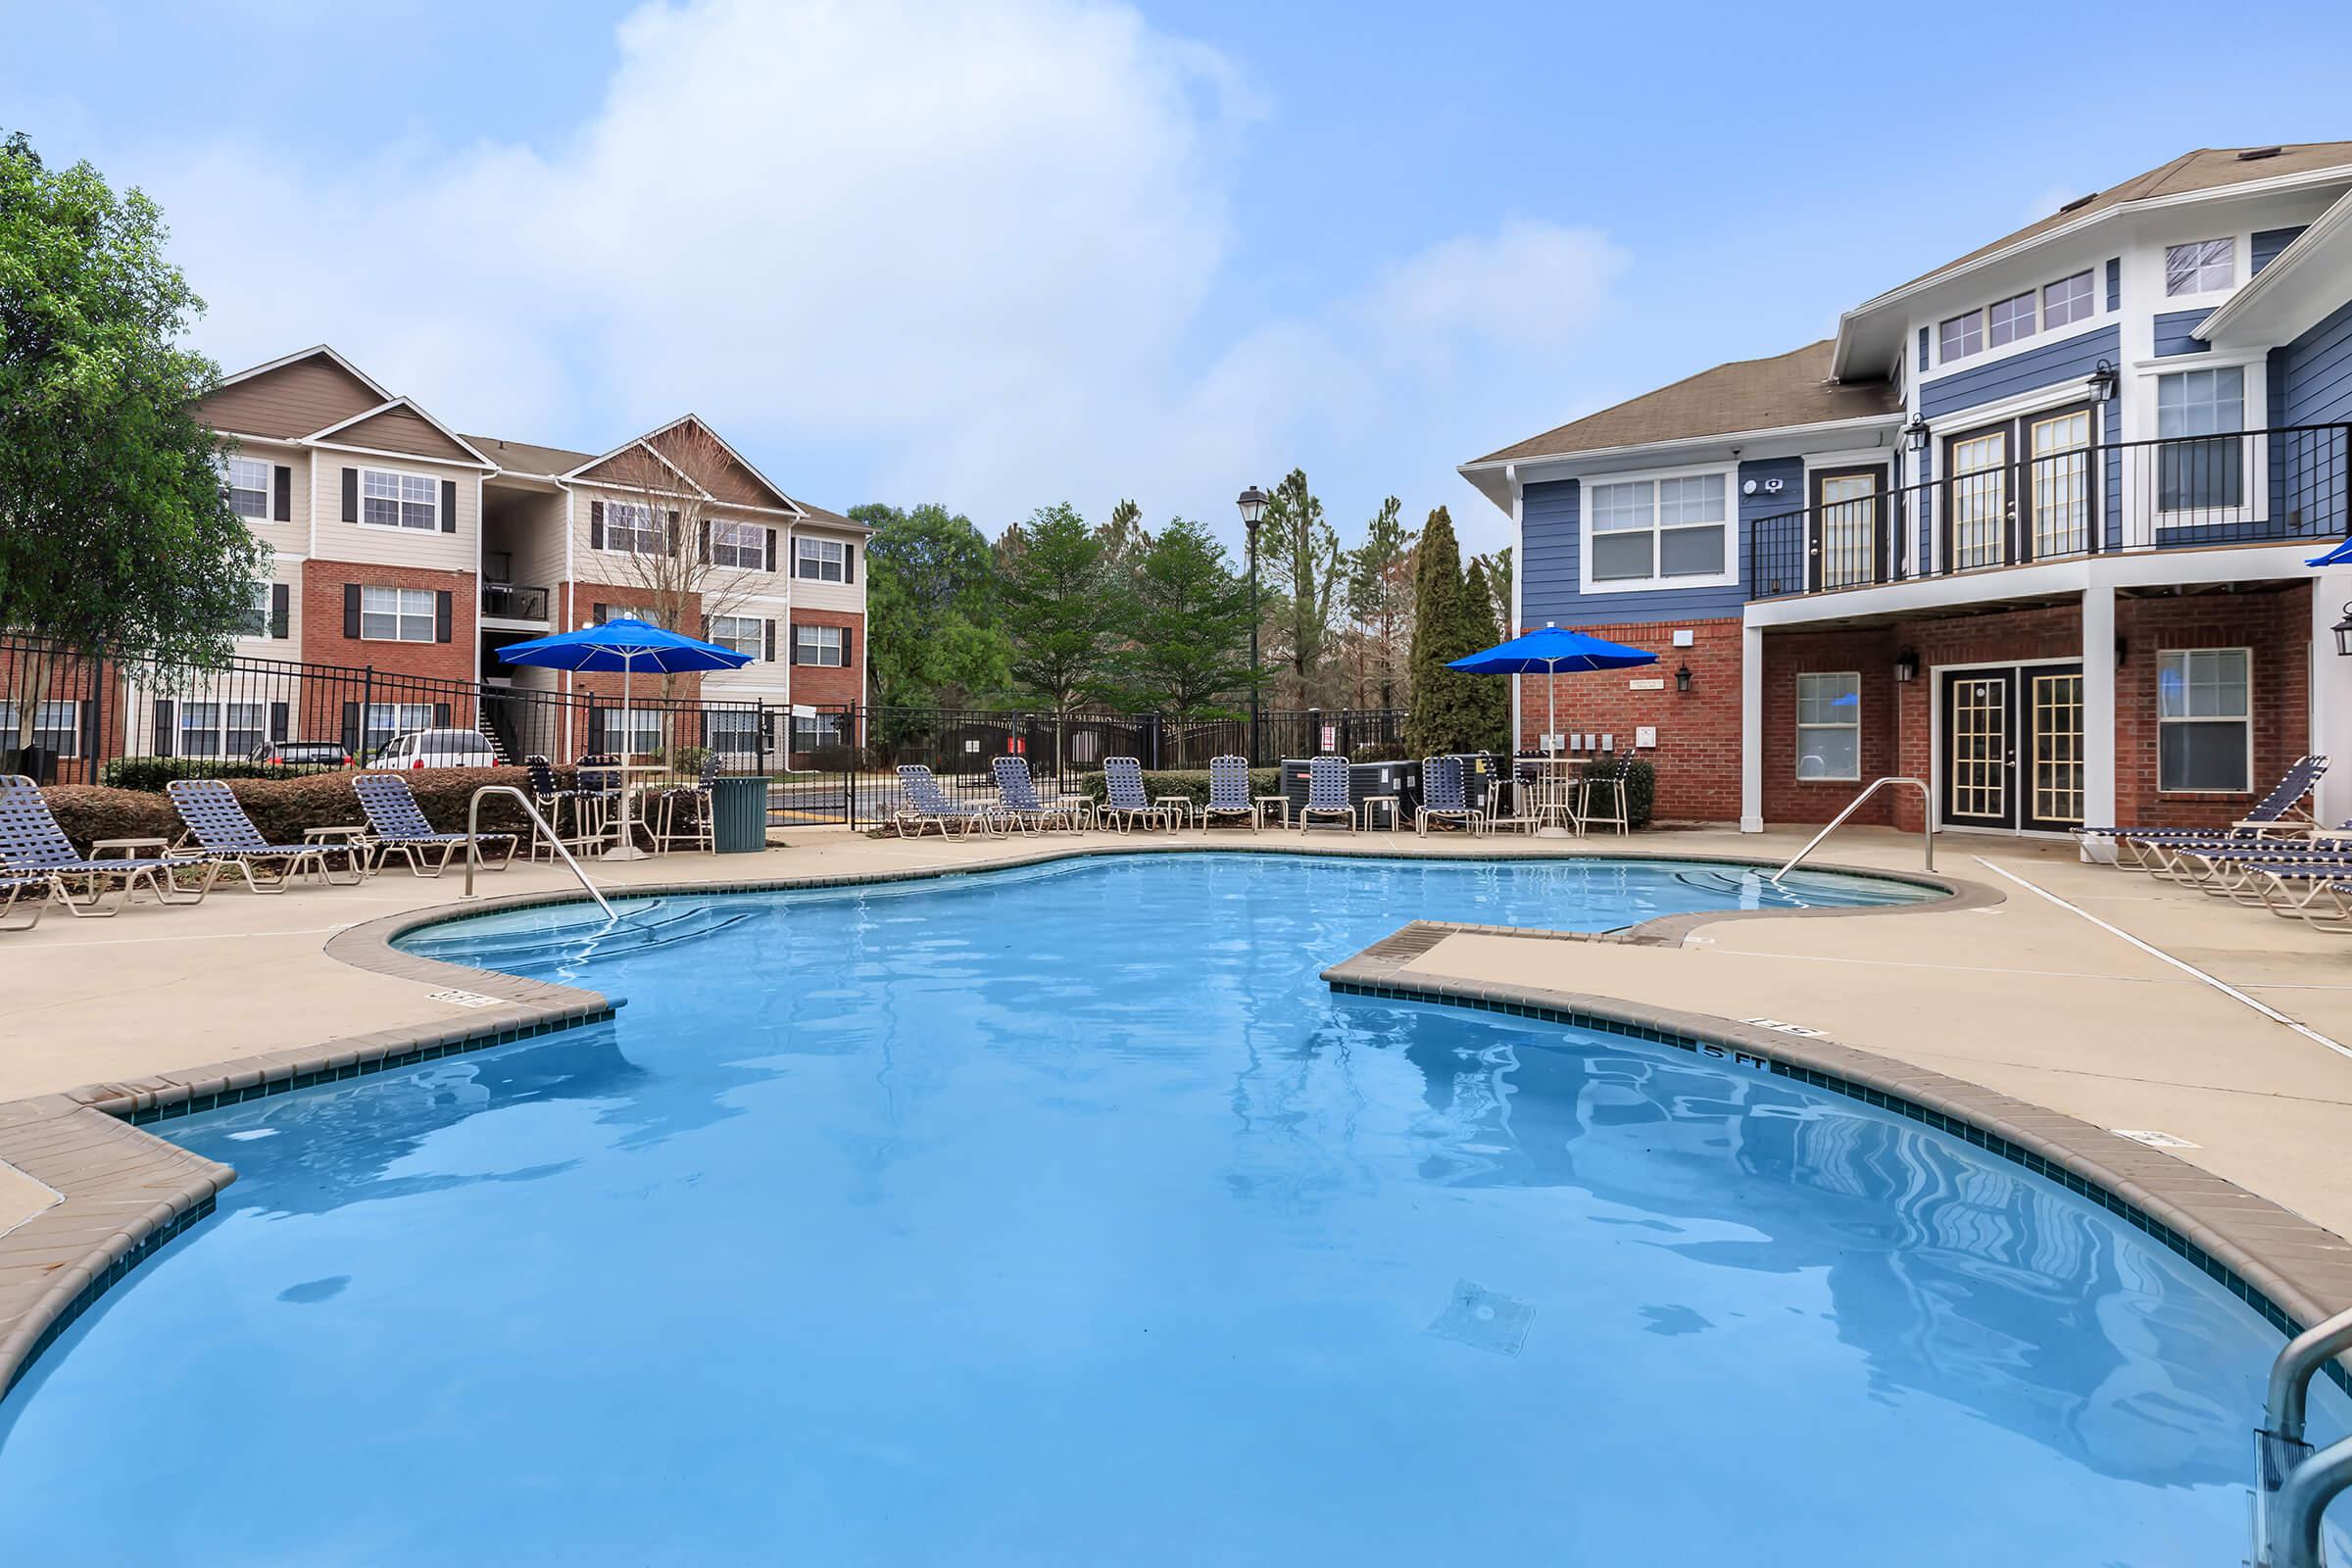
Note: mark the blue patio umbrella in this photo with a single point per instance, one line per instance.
(2334, 558)
(1548, 652)
(627, 646)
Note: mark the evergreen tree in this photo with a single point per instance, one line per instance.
(1379, 603)
(1190, 625)
(1447, 714)
(1301, 556)
(1060, 611)
(1491, 706)
(1499, 580)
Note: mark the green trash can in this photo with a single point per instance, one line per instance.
(739, 813)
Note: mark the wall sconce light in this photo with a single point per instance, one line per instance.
(2120, 648)
(1682, 676)
(2103, 381)
(1906, 664)
(2343, 634)
(1916, 433)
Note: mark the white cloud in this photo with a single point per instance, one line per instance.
(977, 246)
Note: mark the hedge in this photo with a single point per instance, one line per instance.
(1191, 783)
(154, 773)
(282, 808)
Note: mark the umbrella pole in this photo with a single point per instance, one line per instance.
(1553, 782)
(625, 848)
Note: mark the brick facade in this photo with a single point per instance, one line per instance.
(324, 642)
(1697, 755)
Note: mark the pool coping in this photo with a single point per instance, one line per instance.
(2289, 1270)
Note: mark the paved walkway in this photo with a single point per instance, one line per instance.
(2019, 995)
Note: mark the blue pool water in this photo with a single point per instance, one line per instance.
(1063, 1216)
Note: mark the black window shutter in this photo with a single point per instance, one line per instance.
(705, 531)
(440, 715)
(278, 716)
(669, 532)
(848, 658)
(793, 655)
(89, 728)
(351, 610)
(768, 633)
(351, 495)
(771, 549)
(849, 562)
(282, 605)
(281, 494)
(596, 730)
(351, 728)
(162, 728)
(448, 507)
(596, 526)
(443, 604)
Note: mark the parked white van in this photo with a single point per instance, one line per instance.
(436, 747)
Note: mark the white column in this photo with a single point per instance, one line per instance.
(2098, 716)
(2331, 696)
(1752, 729)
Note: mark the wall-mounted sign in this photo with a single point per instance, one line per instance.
(1645, 685)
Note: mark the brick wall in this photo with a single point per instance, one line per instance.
(618, 599)
(2276, 626)
(1697, 755)
(1869, 653)
(2054, 631)
(324, 642)
(823, 684)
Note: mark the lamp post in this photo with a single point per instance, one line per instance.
(1253, 503)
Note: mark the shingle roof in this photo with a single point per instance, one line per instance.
(524, 457)
(1789, 389)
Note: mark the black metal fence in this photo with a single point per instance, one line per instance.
(2040, 490)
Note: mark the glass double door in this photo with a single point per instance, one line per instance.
(2012, 747)
(2040, 464)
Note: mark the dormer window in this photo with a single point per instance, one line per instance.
(2010, 319)
(1962, 336)
(2067, 301)
(2202, 267)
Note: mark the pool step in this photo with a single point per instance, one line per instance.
(529, 951)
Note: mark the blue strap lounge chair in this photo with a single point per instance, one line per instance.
(923, 805)
(2143, 849)
(1327, 792)
(1125, 801)
(30, 841)
(397, 826)
(2230, 869)
(30, 889)
(221, 828)
(1442, 798)
(1229, 792)
(2194, 858)
(1018, 802)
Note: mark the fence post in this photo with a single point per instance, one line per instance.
(366, 702)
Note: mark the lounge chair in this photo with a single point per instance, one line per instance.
(924, 804)
(1125, 801)
(1229, 792)
(2196, 857)
(2317, 892)
(1018, 802)
(2144, 849)
(30, 841)
(220, 826)
(2229, 869)
(29, 888)
(396, 826)
(1443, 799)
(1327, 792)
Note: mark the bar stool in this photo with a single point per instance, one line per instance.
(1604, 782)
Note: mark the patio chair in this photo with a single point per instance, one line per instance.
(1018, 802)
(1327, 792)
(30, 841)
(397, 826)
(2195, 858)
(1229, 792)
(1604, 779)
(217, 822)
(2317, 893)
(696, 800)
(1518, 783)
(2143, 849)
(2230, 869)
(29, 888)
(1442, 798)
(1124, 798)
(587, 807)
(922, 802)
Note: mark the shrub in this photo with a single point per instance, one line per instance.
(282, 806)
(1379, 752)
(1641, 786)
(1191, 783)
(92, 812)
(154, 773)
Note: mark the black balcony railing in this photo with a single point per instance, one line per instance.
(511, 601)
(1990, 508)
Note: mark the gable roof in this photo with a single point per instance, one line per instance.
(293, 396)
(1787, 390)
(400, 425)
(525, 457)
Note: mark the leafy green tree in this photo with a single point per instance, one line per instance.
(1061, 610)
(935, 636)
(115, 533)
(1448, 712)
(1380, 602)
(1491, 695)
(1188, 626)
(1301, 556)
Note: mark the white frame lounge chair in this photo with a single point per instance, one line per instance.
(1125, 801)
(397, 825)
(1018, 805)
(1229, 792)
(1327, 792)
(216, 820)
(1449, 803)
(30, 841)
(922, 802)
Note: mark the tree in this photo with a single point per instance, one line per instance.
(1189, 625)
(685, 585)
(1498, 582)
(1490, 695)
(1124, 541)
(1301, 558)
(1449, 713)
(935, 637)
(1060, 610)
(1380, 602)
(115, 533)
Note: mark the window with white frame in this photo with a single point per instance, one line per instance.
(633, 731)
(2007, 320)
(746, 634)
(249, 481)
(387, 719)
(1960, 337)
(1659, 530)
(1829, 725)
(56, 727)
(633, 529)
(396, 615)
(739, 544)
(822, 559)
(2068, 301)
(2205, 721)
(257, 617)
(2200, 266)
(732, 731)
(810, 731)
(2200, 419)
(817, 645)
(390, 499)
(222, 729)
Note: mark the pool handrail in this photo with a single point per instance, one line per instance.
(1927, 823)
(2293, 1485)
(473, 845)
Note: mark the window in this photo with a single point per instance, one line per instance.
(387, 719)
(817, 645)
(2193, 473)
(2205, 727)
(732, 732)
(396, 615)
(739, 544)
(249, 481)
(1646, 531)
(257, 618)
(633, 529)
(809, 732)
(2200, 266)
(743, 633)
(2067, 301)
(633, 731)
(1962, 336)
(220, 729)
(2011, 319)
(1829, 726)
(823, 560)
(398, 500)
(56, 728)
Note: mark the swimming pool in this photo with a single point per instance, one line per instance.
(1062, 1216)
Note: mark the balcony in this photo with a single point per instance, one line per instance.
(509, 601)
(1990, 510)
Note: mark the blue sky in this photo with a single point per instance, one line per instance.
(1009, 252)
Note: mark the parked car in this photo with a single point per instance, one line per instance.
(436, 747)
(318, 754)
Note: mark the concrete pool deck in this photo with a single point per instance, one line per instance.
(2001, 988)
